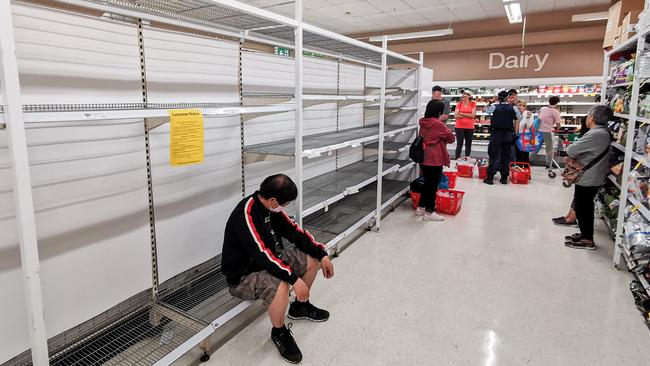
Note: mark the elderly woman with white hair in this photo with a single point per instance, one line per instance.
(593, 149)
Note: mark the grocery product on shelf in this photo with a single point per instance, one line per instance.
(620, 102)
(644, 65)
(641, 139)
(525, 91)
(638, 184)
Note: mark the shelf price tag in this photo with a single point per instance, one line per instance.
(186, 137)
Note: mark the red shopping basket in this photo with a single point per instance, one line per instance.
(449, 201)
(465, 170)
(452, 179)
(415, 200)
(482, 171)
(520, 173)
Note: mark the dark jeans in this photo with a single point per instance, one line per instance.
(499, 151)
(432, 175)
(521, 156)
(466, 135)
(584, 206)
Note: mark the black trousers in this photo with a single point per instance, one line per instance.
(464, 135)
(432, 175)
(584, 206)
(499, 151)
(521, 156)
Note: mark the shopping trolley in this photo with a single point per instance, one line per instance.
(561, 140)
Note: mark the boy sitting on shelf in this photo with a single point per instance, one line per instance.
(259, 267)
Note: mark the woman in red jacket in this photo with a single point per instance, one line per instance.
(436, 136)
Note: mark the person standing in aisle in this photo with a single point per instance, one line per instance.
(436, 136)
(549, 120)
(465, 119)
(526, 123)
(436, 93)
(569, 220)
(258, 266)
(502, 133)
(592, 148)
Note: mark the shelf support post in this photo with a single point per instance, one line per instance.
(298, 113)
(414, 172)
(382, 118)
(22, 183)
(627, 165)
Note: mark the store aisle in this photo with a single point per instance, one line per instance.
(494, 285)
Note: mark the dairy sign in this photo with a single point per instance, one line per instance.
(532, 61)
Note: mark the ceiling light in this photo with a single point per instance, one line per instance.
(589, 17)
(513, 10)
(412, 35)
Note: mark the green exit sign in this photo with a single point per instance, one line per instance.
(283, 51)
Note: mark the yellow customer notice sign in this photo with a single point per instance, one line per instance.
(186, 144)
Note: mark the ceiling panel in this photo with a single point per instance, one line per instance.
(378, 15)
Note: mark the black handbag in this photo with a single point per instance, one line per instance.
(416, 151)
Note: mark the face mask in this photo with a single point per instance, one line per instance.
(277, 209)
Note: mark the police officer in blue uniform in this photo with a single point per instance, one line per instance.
(502, 136)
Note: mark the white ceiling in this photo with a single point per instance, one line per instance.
(379, 15)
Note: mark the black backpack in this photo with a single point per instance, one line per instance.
(416, 151)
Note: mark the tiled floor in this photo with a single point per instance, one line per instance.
(492, 286)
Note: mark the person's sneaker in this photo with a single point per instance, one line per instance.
(305, 310)
(581, 244)
(504, 180)
(432, 216)
(564, 222)
(574, 237)
(286, 345)
(488, 181)
(420, 211)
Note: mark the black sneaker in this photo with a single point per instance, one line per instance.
(574, 237)
(504, 180)
(580, 244)
(286, 345)
(555, 219)
(488, 181)
(298, 311)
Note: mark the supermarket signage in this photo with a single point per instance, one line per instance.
(536, 61)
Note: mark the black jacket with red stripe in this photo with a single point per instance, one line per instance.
(252, 237)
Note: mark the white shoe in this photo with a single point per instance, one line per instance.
(432, 216)
(419, 211)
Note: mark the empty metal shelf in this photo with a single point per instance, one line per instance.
(204, 298)
(389, 147)
(352, 212)
(42, 113)
(136, 332)
(142, 332)
(403, 164)
(256, 24)
(388, 108)
(318, 144)
(324, 190)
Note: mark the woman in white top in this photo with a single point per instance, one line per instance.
(527, 121)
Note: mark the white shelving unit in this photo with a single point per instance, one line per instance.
(635, 45)
(339, 121)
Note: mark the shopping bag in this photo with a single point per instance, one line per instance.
(530, 140)
(417, 186)
(444, 182)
